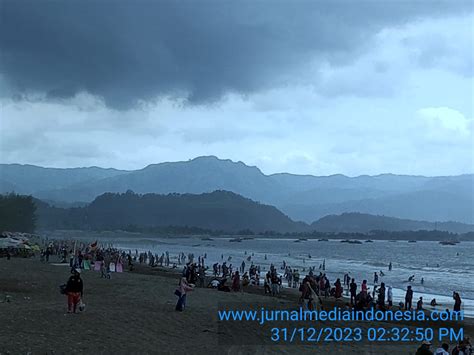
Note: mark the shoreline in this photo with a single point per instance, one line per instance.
(362, 237)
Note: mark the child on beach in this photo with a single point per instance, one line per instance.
(104, 271)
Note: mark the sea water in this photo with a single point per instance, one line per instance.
(444, 268)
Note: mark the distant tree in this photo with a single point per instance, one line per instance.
(17, 213)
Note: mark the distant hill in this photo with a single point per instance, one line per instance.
(31, 179)
(219, 210)
(364, 223)
(302, 197)
(428, 205)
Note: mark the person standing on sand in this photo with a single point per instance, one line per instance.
(353, 291)
(182, 289)
(408, 298)
(296, 278)
(327, 287)
(304, 289)
(130, 263)
(338, 291)
(225, 269)
(104, 271)
(364, 289)
(267, 283)
(457, 302)
(275, 282)
(381, 297)
(74, 290)
(236, 282)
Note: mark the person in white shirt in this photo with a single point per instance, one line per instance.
(443, 350)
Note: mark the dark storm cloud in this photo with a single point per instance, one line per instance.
(126, 51)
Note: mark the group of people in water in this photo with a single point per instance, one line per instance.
(313, 284)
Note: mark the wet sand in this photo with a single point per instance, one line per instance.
(134, 313)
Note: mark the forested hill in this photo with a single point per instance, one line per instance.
(363, 223)
(216, 212)
(219, 210)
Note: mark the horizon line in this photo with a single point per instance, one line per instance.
(235, 162)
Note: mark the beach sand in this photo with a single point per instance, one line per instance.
(133, 312)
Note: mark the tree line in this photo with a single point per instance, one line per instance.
(17, 213)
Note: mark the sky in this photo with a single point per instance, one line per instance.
(306, 87)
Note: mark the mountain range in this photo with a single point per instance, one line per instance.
(301, 197)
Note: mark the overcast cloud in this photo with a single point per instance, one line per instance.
(353, 87)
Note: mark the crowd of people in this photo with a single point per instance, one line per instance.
(106, 259)
(313, 287)
(464, 347)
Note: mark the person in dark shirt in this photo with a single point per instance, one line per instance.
(424, 349)
(457, 302)
(74, 290)
(353, 289)
(419, 304)
(408, 298)
(381, 297)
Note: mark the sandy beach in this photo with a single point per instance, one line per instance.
(133, 312)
